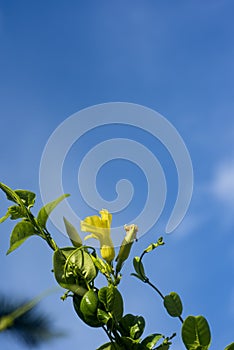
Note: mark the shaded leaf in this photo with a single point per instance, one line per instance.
(230, 347)
(45, 211)
(139, 268)
(112, 300)
(138, 276)
(173, 304)
(103, 316)
(26, 322)
(20, 233)
(151, 340)
(64, 280)
(72, 267)
(132, 326)
(196, 333)
(111, 346)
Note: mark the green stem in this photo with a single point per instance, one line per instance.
(44, 233)
(109, 336)
(147, 281)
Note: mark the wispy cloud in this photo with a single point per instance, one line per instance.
(222, 185)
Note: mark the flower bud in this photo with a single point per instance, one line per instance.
(108, 253)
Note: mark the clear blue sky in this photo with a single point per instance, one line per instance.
(177, 57)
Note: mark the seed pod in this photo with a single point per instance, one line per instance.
(86, 308)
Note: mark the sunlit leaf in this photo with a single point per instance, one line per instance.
(45, 211)
(20, 233)
(72, 234)
(27, 197)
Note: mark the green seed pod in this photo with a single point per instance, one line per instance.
(86, 308)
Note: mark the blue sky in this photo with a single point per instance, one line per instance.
(176, 57)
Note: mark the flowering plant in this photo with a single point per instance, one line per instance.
(76, 267)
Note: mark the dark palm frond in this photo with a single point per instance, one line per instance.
(25, 321)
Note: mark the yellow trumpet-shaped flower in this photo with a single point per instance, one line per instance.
(99, 228)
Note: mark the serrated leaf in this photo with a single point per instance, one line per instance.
(20, 233)
(45, 211)
(230, 347)
(151, 340)
(173, 304)
(27, 197)
(72, 234)
(196, 333)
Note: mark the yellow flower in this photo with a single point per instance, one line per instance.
(99, 227)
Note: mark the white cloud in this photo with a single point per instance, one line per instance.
(223, 184)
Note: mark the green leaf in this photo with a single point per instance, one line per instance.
(47, 209)
(17, 212)
(20, 233)
(132, 344)
(107, 346)
(82, 304)
(151, 340)
(6, 216)
(138, 276)
(230, 347)
(152, 246)
(100, 264)
(72, 234)
(111, 346)
(66, 281)
(11, 194)
(73, 268)
(132, 326)
(196, 333)
(81, 264)
(112, 300)
(173, 304)
(165, 347)
(27, 197)
(103, 316)
(139, 268)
